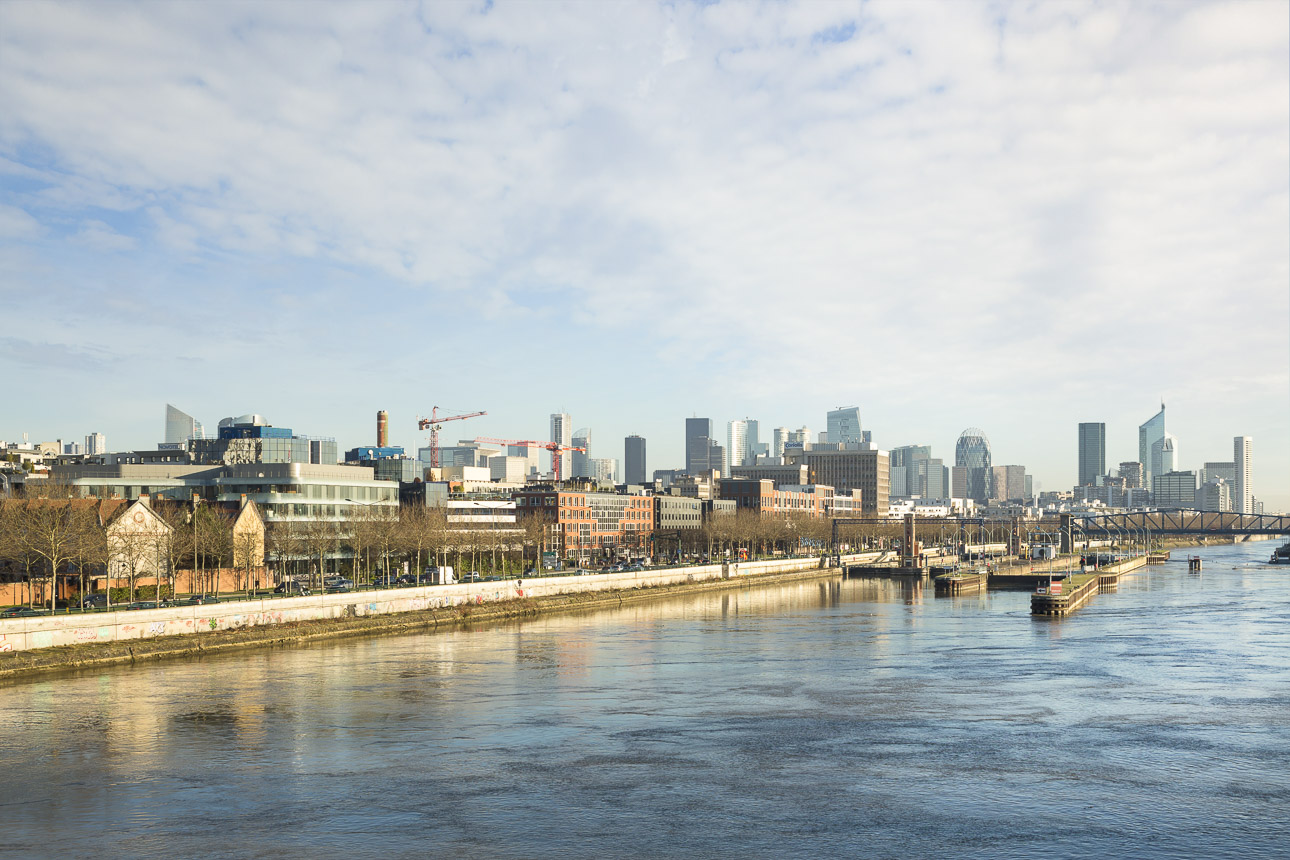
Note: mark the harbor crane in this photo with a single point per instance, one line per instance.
(554, 447)
(434, 423)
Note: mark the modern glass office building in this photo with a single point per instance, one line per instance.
(1150, 432)
(972, 452)
(180, 427)
(1092, 452)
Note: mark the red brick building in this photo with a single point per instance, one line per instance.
(588, 526)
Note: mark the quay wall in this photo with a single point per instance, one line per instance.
(23, 634)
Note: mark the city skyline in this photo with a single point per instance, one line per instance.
(235, 208)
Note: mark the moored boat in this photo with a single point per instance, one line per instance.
(1281, 555)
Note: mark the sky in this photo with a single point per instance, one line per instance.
(1015, 217)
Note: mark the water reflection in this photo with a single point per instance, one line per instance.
(857, 717)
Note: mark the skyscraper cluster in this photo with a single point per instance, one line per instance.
(1157, 475)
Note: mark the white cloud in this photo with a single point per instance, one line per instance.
(932, 198)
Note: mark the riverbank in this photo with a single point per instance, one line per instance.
(20, 665)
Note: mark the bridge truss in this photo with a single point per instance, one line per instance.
(1179, 522)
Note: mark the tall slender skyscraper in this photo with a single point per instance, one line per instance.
(1150, 432)
(95, 443)
(1243, 459)
(736, 445)
(698, 439)
(562, 434)
(634, 459)
(582, 466)
(1092, 452)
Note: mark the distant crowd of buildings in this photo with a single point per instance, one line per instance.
(1156, 478)
(595, 508)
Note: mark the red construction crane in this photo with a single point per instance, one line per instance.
(553, 447)
(434, 423)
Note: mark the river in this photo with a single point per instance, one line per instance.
(862, 718)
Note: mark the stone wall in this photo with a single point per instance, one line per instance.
(18, 634)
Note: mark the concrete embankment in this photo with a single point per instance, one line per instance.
(1080, 588)
(32, 645)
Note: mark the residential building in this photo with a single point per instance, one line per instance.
(634, 459)
(1243, 461)
(95, 445)
(1092, 452)
(844, 425)
(1174, 489)
(1150, 432)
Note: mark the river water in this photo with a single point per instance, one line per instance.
(859, 718)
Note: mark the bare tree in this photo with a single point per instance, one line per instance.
(213, 534)
(286, 544)
(49, 531)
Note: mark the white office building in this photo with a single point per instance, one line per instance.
(562, 434)
(1243, 460)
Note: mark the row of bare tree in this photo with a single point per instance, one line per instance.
(60, 539)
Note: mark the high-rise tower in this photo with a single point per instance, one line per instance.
(1149, 433)
(1243, 459)
(844, 424)
(972, 453)
(561, 434)
(698, 441)
(634, 459)
(1092, 452)
(736, 444)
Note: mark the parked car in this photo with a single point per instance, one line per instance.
(199, 600)
(144, 604)
(405, 579)
(292, 588)
(492, 578)
(471, 576)
(339, 585)
(94, 601)
(21, 612)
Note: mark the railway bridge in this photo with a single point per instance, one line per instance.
(1144, 525)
